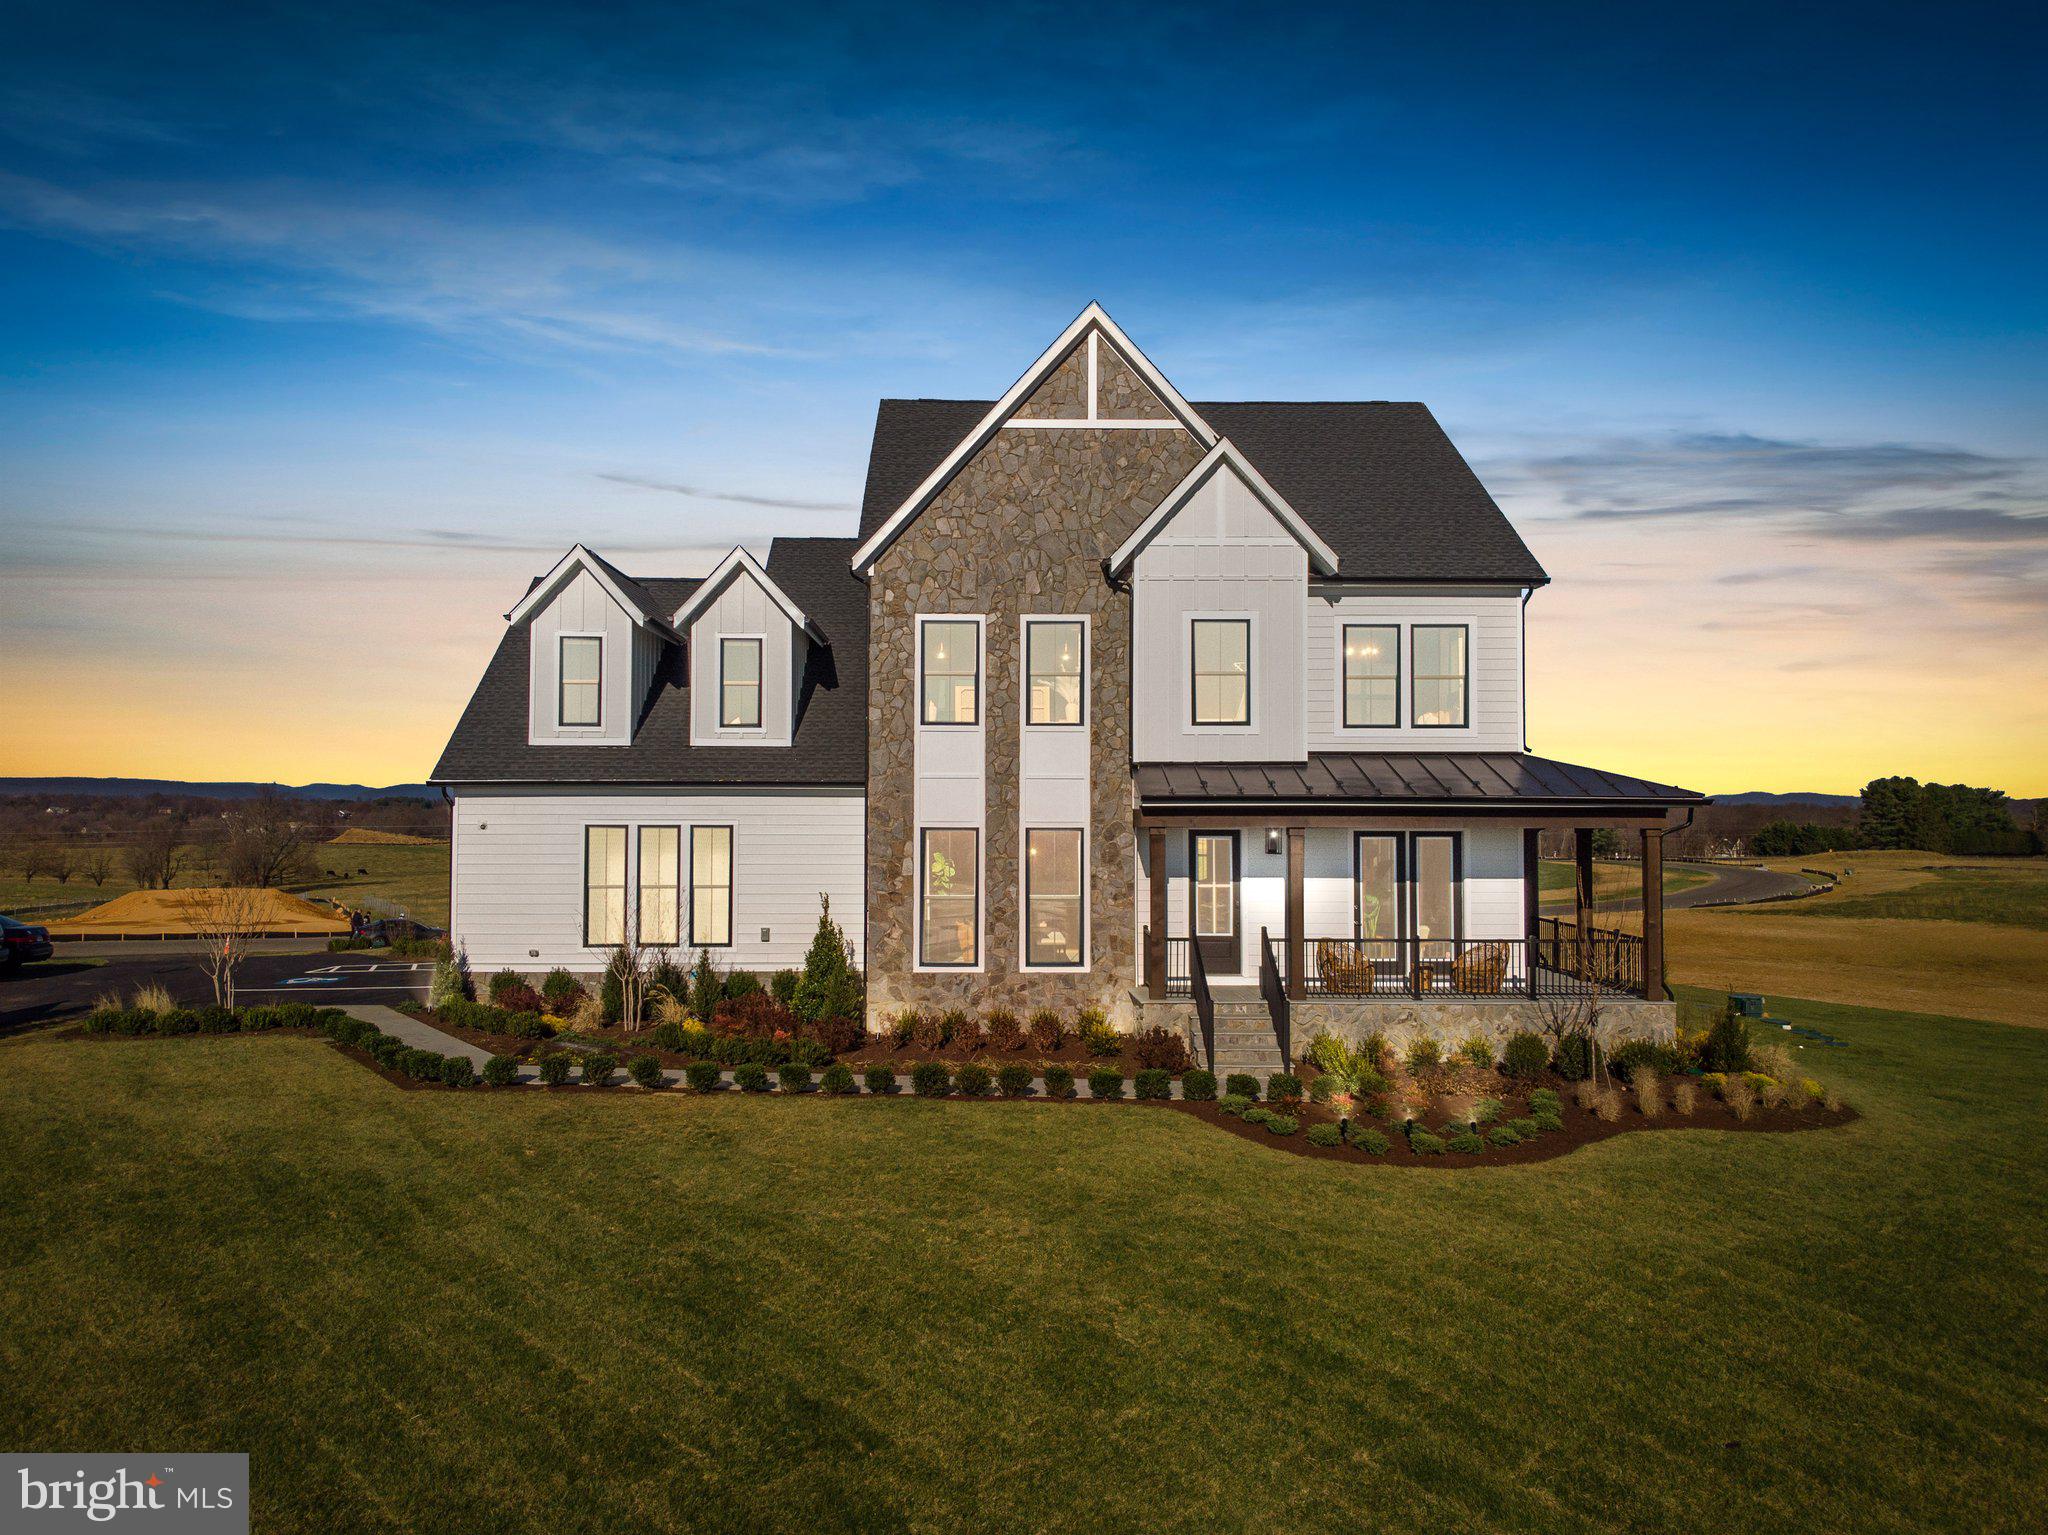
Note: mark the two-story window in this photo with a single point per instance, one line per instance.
(1055, 902)
(1372, 676)
(739, 684)
(1221, 671)
(951, 671)
(579, 680)
(1055, 664)
(949, 905)
(1442, 676)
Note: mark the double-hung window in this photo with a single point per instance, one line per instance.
(661, 882)
(604, 885)
(580, 672)
(710, 886)
(950, 665)
(1441, 678)
(949, 898)
(739, 684)
(1055, 660)
(1222, 671)
(1054, 903)
(1372, 675)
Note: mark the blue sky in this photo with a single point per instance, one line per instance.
(321, 328)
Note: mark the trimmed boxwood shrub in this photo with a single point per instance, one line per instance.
(1059, 1082)
(750, 1077)
(1371, 1140)
(879, 1079)
(1281, 1124)
(1525, 1056)
(1429, 1145)
(1198, 1086)
(1241, 1084)
(931, 1079)
(554, 1067)
(1105, 1082)
(1504, 1135)
(838, 1077)
(1574, 1058)
(646, 1070)
(1153, 1083)
(1237, 1105)
(973, 1080)
(420, 1065)
(794, 1077)
(1468, 1143)
(704, 1076)
(1325, 1135)
(1283, 1087)
(500, 1071)
(384, 1050)
(1014, 1080)
(458, 1071)
(561, 989)
(598, 1067)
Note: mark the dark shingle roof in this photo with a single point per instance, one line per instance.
(1394, 778)
(1377, 479)
(831, 743)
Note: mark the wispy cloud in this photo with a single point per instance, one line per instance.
(701, 493)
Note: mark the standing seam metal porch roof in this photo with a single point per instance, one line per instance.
(1398, 778)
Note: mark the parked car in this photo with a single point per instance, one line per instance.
(20, 943)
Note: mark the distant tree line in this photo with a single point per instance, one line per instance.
(1905, 813)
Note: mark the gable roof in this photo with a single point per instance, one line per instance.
(830, 745)
(1093, 318)
(1377, 480)
(740, 560)
(1224, 455)
(628, 593)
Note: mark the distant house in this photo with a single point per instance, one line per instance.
(1114, 699)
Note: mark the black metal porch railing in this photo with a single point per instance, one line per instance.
(1601, 957)
(1205, 1005)
(1466, 967)
(1179, 979)
(1278, 1006)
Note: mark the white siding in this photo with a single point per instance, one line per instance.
(518, 868)
(1494, 706)
(1222, 555)
(582, 606)
(744, 610)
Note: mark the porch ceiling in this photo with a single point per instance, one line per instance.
(1406, 781)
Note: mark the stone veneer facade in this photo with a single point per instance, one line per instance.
(1024, 527)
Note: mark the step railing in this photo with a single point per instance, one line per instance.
(1274, 990)
(1205, 1005)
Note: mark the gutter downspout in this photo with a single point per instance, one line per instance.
(1527, 593)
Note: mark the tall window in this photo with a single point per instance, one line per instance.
(1215, 885)
(1436, 894)
(1053, 905)
(710, 886)
(739, 684)
(1372, 675)
(1380, 917)
(1055, 657)
(949, 924)
(604, 885)
(951, 665)
(661, 880)
(1223, 666)
(581, 668)
(1440, 674)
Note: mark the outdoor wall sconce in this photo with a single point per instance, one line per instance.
(1272, 839)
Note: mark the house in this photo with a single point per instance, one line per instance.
(1204, 713)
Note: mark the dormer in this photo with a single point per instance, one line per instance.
(594, 644)
(747, 644)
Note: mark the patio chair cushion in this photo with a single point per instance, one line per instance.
(1481, 970)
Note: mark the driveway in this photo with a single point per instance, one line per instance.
(64, 987)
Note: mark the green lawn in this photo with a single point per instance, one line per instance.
(506, 1313)
(2016, 895)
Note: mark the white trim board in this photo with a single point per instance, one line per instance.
(711, 585)
(549, 583)
(1225, 454)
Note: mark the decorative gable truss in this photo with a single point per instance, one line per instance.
(595, 640)
(747, 645)
(1092, 377)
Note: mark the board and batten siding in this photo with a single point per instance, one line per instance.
(517, 870)
(1222, 555)
(744, 610)
(583, 606)
(1494, 707)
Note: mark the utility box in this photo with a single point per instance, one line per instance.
(1745, 1004)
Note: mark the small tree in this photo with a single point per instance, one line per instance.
(223, 921)
(451, 981)
(157, 854)
(97, 866)
(827, 989)
(628, 973)
(705, 987)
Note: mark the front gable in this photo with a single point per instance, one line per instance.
(770, 640)
(578, 626)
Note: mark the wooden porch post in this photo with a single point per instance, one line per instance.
(1155, 931)
(1297, 871)
(1582, 893)
(1532, 901)
(1653, 916)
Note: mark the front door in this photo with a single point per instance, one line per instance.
(1212, 860)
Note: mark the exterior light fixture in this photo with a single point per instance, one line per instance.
(1272, 839)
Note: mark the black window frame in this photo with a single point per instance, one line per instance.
(1344, 673)
(924, 627)
(1407, 867)
(1080, 626)
(562, 721)
(1464, 720)
(625, 886)
(923, 870)
(760, 678)
(1194, 677)
(639, 872)
(731, 886)
(1080, 835)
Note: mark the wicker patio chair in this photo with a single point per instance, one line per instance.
(1481, 971)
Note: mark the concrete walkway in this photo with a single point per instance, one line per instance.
(417, 1035)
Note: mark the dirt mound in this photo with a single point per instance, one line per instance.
(363, 836)
(156, 913)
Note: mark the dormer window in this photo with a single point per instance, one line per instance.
(739, 684)
(581, 670)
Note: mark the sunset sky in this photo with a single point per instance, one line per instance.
(323, 328)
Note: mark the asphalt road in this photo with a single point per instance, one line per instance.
(1731, 885)
(64, 987)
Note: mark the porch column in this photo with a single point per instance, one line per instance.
(1653, 915)
(1297, 873)
(1582, 893)
(1155, 930)
(1532, 902)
